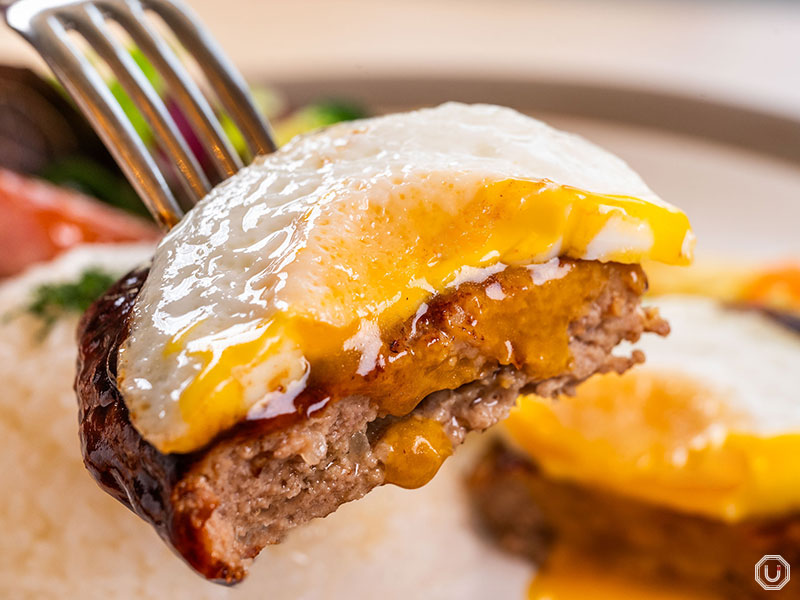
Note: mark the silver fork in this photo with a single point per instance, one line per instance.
(46, 25)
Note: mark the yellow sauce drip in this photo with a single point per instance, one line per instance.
(415, 448)
(664, 438)
(568, 575)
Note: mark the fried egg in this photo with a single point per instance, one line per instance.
(710, 426)
(314, 250)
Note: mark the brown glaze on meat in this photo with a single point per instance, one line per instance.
(121, 461)
(220, 506)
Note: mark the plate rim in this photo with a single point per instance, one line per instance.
(761, 131)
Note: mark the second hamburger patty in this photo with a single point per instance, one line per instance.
(220, 506)
(529, 513)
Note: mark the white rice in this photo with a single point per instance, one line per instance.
(62, 537)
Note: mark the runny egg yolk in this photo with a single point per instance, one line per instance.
(664, 438)
(377, 279)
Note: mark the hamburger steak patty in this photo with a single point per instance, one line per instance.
(527, 512)
(218, 507)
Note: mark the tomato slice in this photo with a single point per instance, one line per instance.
(38, 221)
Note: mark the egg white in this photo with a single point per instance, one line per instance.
(747, 358)
(266, 239)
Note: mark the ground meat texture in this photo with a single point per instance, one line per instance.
(218, 507)
(527, 513)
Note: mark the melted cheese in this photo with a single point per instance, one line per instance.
(314, 251)
(711, 425)
(414, 449)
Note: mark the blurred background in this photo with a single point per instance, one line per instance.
(746, 51)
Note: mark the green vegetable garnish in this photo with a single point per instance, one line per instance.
(335, 110)
(52, 301)
(316, 115)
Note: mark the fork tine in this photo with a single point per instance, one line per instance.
(89, 90)
(90, 23)
(46, 23)
(224, 78)
(191, 100)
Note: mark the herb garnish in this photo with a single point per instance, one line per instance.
(53, 300)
